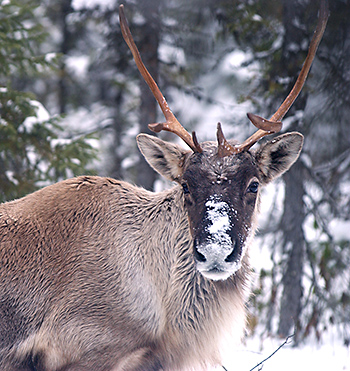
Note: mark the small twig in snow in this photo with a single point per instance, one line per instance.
(260, 365)
(272, 354)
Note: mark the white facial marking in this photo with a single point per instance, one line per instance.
(217, 213)
(218, 244)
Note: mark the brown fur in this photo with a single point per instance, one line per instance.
(97, 274)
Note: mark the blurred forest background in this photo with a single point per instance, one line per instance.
(72, 102)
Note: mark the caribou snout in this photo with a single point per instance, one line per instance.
(217, 252)
(217, 262)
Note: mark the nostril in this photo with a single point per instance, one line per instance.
(232, 257)
(200, 257)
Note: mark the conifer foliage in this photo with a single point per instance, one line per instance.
(33, 151)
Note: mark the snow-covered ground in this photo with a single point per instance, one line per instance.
(330, 354)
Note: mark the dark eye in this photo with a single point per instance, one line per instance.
(253, 187)
(185, 188)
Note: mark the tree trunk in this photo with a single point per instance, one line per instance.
(291, 225)
(294, 213)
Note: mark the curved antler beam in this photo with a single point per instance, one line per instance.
(171, 124)
(265, 127)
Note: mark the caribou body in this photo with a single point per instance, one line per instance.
(97, 274)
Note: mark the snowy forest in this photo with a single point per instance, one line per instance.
(72, 102)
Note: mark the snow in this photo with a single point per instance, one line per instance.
(168, 53)
(41, 116)
(60, 142)
(217, 213)
(80, 4)
(49, 57)
(78, 65)
(257, 18)
(235, 62)
(330, 355)
(222, 89)
(340, 229)
(10, 176)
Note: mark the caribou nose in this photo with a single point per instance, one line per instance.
(217, 262)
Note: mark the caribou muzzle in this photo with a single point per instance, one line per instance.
(217, 262)
(217, 251)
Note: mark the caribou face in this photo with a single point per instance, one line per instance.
(221, 194)
(220, 197)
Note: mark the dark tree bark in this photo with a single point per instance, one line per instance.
(294, 213)
(291, 224)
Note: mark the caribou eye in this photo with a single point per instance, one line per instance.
(185, 188)
(253, 187)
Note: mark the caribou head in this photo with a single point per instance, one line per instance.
(221, 180)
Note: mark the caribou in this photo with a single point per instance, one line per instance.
(97, 274)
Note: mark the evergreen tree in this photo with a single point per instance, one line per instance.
(32, 152)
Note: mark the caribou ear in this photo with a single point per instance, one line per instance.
(165, 158)
(278, 155)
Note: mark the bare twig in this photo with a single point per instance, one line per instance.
(260, 365)
(272, 354)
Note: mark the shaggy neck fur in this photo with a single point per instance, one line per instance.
(197, 313)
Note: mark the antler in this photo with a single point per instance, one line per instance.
(171, 124)
(274, 125)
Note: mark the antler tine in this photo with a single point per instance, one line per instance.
(265, 128)
(171, 124)
(224, 147)
(274, 125)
